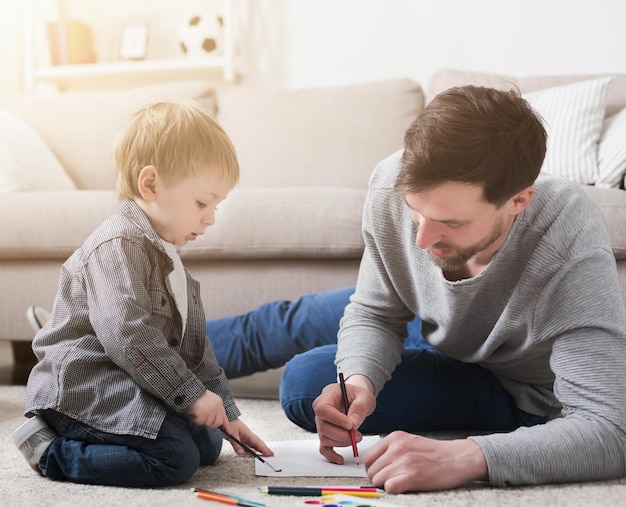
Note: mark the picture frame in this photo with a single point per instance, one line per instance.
(133, 39)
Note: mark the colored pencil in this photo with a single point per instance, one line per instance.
(364, 492)
(344, 395)
(238, 498)
(247, 449)
(224, 499)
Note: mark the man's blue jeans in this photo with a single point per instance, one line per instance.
(85, 455)
(272, 334)
(428, 390)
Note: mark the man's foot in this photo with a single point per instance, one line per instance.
(32, 438)
(37, 317)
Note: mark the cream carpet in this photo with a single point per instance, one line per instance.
(20, 486)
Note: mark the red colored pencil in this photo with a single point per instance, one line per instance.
(344, 394)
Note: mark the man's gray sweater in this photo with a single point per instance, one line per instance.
(545, 316)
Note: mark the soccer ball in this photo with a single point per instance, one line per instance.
(201, 35)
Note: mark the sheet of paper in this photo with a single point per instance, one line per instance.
(302, 458)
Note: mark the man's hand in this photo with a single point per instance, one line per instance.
(333, 425)
(404, 462)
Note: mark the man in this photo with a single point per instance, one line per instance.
(524, 327)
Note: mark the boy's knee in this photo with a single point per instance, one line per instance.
(211, 451)
(180, 470)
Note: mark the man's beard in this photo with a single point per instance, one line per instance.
(457, 261)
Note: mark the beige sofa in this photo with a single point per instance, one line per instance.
(292, 225)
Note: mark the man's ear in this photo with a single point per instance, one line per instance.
(522, 200)
(147, 182)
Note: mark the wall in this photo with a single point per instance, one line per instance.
(333, 42)
(300, 43)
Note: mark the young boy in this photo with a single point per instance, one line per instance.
(127, 390)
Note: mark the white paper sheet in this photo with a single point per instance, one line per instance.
(302, 458)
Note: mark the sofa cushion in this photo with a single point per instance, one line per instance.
(251, 223)
(330, 137)
(79, 127)
(612, 202)
(312, 222)
(26, 162)
(50, 225)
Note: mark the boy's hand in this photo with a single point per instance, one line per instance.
(208, 410)
(239, 430)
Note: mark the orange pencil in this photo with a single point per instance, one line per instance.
(232, 497)
(224, 499)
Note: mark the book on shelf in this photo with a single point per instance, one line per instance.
(71, 42)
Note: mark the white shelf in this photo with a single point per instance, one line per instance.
(120, 74)
(123, 74)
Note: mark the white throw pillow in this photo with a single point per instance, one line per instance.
(26, 162)
(612, 151)
(573, 116)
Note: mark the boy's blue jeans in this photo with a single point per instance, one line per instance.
(428, 390)
(85, 455)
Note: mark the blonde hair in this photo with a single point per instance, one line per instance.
(178, 138)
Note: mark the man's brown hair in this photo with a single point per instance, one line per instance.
(474, 135)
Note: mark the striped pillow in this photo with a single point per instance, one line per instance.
(612, 151)
(573, 115)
